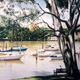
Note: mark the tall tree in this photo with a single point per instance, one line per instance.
(66, 42)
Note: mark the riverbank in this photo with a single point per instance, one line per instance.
(49, 77)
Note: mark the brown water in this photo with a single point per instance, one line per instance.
(28, 65)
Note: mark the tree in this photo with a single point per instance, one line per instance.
(62, 3)
(66, 42)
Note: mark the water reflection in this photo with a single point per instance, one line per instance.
(12, 62)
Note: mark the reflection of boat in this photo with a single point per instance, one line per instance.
(56, 56)
(9, 62)
(11, 56)
(15, 48)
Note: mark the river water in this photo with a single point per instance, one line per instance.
(28, 65)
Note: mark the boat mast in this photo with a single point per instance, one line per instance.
(16, 38)
(12, 38)
(21, 37)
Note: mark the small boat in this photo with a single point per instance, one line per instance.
(6, 50)
(39, 51)
(51, 49)
(56, 57)
(11, 57)
(46, 54)
(15, 48)
(18, 48)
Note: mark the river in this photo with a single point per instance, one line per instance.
(28, 65)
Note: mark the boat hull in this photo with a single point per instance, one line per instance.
(22, 49)
(11, 57)
(56, 57)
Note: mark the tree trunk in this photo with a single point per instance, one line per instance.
(67, 47)
(67, 44)
(56, 22)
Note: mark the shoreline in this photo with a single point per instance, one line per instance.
(48, 77)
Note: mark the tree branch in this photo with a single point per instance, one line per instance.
(77, 26)
(47, 5)
(74, 25)
(45, 12)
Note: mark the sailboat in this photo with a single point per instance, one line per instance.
(18, 48)
(11, 57)
(15, 48)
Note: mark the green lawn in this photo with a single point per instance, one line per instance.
(49, 77)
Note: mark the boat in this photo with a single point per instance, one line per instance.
(48, 54)
(51, 48)
(18, 48)
(46, 51)
(11, 56)
(6, 50)
(56, 57)
(14, 48)
(39, 51)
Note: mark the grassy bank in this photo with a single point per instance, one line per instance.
(49, 77)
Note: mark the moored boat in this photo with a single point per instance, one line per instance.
(39, 51)
(18, 48)
(46, 54)
(11, 57)
(15, 48)
(56, 57)
(51, 48)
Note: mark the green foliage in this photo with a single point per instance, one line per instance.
(26, 34)
(20, 33)
(5, 32)
(38, 34)
(62, 3)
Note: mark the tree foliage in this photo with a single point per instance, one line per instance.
(62, 3)
(26, 34)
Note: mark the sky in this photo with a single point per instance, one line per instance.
(45, 17)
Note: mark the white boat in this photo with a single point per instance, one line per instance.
(56, 57)
(11, 56)
(39, 51)
(51, 48)
(46, 54)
